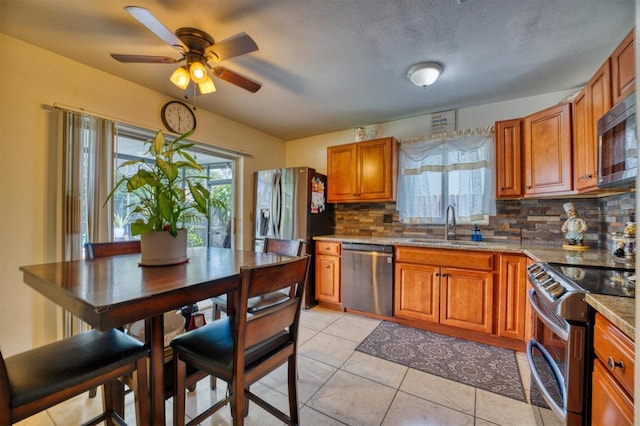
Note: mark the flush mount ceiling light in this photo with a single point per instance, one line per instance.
(424, 74)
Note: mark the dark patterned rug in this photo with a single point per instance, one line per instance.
(483, 366)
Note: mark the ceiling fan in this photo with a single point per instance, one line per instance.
(197, 48)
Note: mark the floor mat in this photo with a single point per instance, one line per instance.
(483, 366)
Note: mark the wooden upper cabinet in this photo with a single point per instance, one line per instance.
(591, 104)
(623, 68)
(547, 151)
(364, 171)
(508, 159)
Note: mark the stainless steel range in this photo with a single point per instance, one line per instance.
(560, 352)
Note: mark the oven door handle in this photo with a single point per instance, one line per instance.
(555, 328)
(559, 411)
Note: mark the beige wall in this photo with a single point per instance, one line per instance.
(312, 151)
(29, 170)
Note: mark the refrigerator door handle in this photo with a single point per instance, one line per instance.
(276, 205)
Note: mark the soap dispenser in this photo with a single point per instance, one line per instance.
(475, 233)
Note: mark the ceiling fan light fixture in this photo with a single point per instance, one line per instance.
(424, 74)
(207, 86)
(198, 72)
(180, 78)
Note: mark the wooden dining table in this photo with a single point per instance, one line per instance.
(113, 291)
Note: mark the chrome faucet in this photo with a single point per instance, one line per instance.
(450, 228)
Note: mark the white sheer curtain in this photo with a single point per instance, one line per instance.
(439, 170)
(88, 169)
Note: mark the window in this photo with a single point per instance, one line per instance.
(458, 171)
(213, 230)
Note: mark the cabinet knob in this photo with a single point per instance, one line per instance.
(502, 188)
(437, 274)
(529, 187)
(612, 364)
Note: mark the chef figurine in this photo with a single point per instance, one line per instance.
(574, 229)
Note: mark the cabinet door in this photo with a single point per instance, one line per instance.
(623, 68)
(582, 155)
(547, 151)
(512, 295)
(597, 101)
(466, 299)
(341, 173)
(610, 404)
(376, 170)
(328, 278)
(508, 159)
(416, 292)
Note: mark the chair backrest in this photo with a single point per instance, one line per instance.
(284, 247)
(277, 324)
(112, 248)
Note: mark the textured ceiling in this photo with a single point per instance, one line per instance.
(329, 65)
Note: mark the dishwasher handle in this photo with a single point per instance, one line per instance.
(367, 247)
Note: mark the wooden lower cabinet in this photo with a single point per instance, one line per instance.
(466, 299)
(328, 272)
(512, 296)
(428, 289)
(610, 404)
(417, 292)
(613, 375)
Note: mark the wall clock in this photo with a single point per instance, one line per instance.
(178, 117)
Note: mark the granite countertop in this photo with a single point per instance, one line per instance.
(537, 252)
(619, 310)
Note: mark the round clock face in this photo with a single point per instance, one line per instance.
(178, 117)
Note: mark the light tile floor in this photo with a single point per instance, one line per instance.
(339, 386)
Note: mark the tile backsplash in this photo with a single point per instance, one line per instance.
(536, 221)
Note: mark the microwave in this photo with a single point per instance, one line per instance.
(618, 145)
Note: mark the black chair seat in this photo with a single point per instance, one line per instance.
(212, 345)
(48, 369)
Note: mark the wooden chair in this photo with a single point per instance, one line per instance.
(113, 248)
(240, 348)
(32, 381)
(292, 248)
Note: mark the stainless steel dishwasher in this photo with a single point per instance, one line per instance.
(367, 278)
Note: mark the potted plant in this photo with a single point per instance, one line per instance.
(120, 222)
(163, 203)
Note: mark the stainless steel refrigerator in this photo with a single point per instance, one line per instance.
(290, 203)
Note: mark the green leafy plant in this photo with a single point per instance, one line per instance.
(120, 221)
(160, 186)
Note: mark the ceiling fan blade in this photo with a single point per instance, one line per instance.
(145, 59)
(231, 47)
(237, 79)
(155, 26)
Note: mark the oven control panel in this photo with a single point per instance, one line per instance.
(546, 280)
(560, 294)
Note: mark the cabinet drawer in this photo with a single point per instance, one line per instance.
(326, 247)
(463, 259)
(610, 404)
(613, 347)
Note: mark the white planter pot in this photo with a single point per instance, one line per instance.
(162, 248)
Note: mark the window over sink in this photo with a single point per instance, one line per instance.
(436, 171)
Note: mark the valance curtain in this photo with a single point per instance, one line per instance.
(449, 169)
